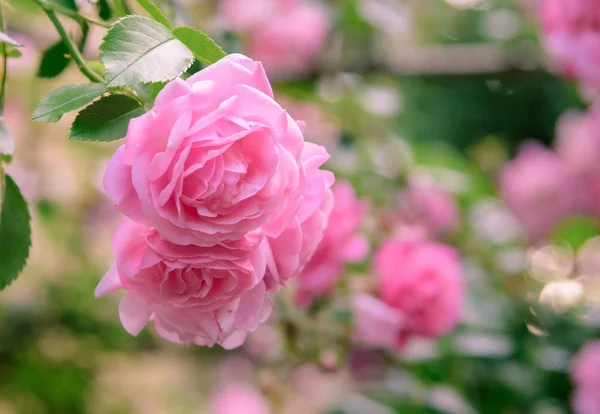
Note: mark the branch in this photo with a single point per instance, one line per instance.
(73, 49)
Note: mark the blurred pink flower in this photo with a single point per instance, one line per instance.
(578, 144)
(429, 208)
(192, 294)
(285, 35)
(423, 281)
(340, 244)
(376, 324)
(572, 36)
(578, 140)
(585, 373)
(540, 189)
(238, 398)
(290, 43)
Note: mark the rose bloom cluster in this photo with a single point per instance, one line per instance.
(572, 36)
(285, 35)
(418, 282)
(543, 187)
(224, 202)
(585, 373)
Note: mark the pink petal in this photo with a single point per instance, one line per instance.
(109, 283)
(134, 313)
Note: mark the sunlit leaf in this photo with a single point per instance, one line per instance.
(66, 99)
(205, 49)
(139, 50)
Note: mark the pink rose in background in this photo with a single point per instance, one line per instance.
(237, 399)
(429, 207)
(579, 146)
(578, 141)
(288, 253)
(290, 43)
(192, 294)
(285, 35)
(572, 36)
(420, 293)
(376, 324)
(215, 159)
(541, 189)
(585, 373)
(340, 244)
(423, 280)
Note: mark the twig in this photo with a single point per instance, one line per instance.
(4, 63)
(73, 49)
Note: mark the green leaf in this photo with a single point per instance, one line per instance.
(106, 119)
(149, 91)
(139, 50)
(15, 233)
(66, 99)
(7, 143)
(9, 40)
(13, 52)
(67, 4)
(155, 12)
(205, 49)
(104, 10)
(54, 60)
(576, 231)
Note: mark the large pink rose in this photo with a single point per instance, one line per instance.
(341, 244)
(585, 372)
(541, 189)
(423, 280)
(572, 36)
(192, 294)
(288, 253)
(215, 160)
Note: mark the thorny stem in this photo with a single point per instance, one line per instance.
(4, 65)
(73, 49)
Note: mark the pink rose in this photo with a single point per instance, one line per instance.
(572, 36)
(430, 208)
(289, 252)
(422, 280)
(244, 15)
(340, 245)
(237, 399)
(215, 160)
(376, 324)
(579, 147)
(192, 294)
(585, 372)
(540, 189)
(289, 43)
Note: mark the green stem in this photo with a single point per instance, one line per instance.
(74, 15)
(122, 8)
(4, 64)
(73, 49)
